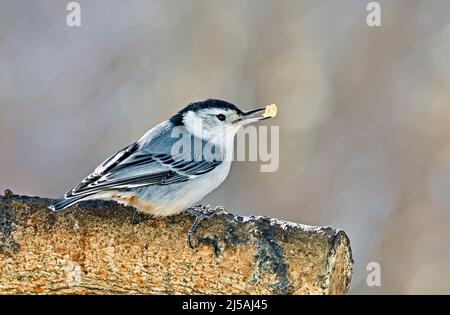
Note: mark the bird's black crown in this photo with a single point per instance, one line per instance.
(177, 119)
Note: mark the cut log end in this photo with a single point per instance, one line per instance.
(101, 247)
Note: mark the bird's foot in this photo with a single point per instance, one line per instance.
(136, 217)
(201, 213)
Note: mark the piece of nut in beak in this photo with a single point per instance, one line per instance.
(271, 111)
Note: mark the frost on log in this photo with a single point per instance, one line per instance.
(104, 248)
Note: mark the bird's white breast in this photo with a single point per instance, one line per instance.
(189, 193)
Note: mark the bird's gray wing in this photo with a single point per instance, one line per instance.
(136, 166)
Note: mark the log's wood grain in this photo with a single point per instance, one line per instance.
(104, 248)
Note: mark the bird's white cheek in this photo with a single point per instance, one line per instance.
(194, 125)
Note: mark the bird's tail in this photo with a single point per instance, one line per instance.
(63, 203)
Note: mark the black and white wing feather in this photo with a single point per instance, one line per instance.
(134, 167)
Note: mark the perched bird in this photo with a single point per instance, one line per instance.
(155, 177)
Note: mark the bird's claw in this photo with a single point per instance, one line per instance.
(201, 212)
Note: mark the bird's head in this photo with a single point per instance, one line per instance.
(215, 120)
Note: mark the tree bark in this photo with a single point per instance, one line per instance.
(103, 248)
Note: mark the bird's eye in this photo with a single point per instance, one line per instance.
(221, 117)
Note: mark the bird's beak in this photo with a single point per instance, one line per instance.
(249, 117)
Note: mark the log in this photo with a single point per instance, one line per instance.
(100, 247)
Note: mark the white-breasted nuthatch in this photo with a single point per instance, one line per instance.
(156, 179)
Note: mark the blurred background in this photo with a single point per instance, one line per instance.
(364, 112)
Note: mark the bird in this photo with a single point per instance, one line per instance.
(172, 166)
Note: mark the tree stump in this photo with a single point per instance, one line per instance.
(100, 247)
